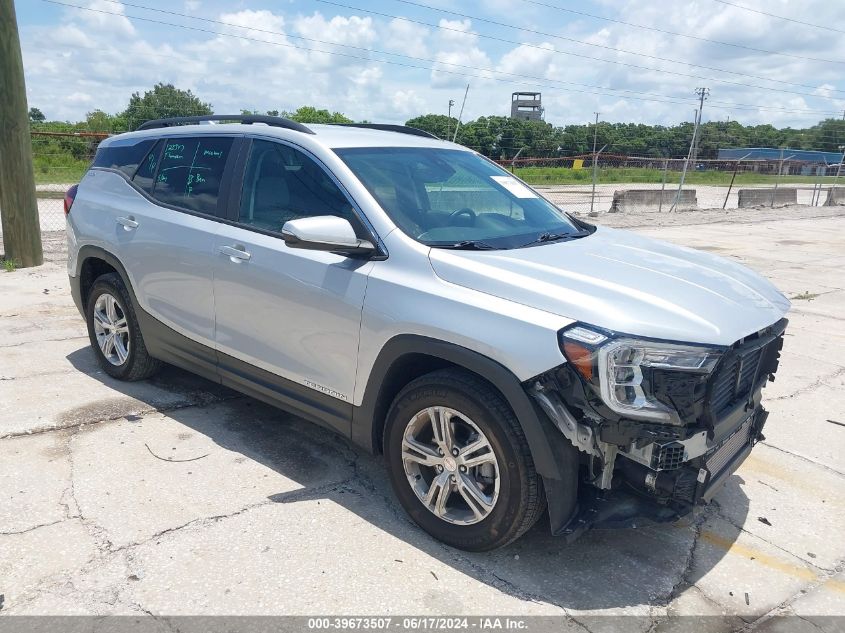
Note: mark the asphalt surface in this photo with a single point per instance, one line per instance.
(175, 496)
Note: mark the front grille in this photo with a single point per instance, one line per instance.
(743, 367)
(719, 458)
(724, 386)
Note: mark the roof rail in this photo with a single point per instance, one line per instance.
(247, 119)
(389, 127)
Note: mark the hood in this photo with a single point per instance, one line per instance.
(627, 283)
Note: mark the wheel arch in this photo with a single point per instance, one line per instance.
(91, 263)
(406, 357)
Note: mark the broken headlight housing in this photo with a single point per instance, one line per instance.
(621, 369)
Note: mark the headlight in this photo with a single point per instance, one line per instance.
(615, 367)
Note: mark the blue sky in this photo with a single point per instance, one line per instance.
(389, 60)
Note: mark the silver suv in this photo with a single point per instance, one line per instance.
(410, 294)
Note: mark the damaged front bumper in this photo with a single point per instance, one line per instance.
(633, 471)
(648, 496)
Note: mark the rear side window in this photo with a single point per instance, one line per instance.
(147, 169)
(124, 156)
(190, 172)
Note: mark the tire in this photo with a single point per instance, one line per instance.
(128, 358)
(475, 411)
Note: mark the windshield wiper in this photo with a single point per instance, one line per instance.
(554, 237)
(469, 245)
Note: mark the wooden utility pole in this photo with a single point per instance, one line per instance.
(18, 205)
(595, 161)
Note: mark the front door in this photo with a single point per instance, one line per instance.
(288, 320)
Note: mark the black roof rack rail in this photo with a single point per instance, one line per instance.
(247, 119)
(389, 127)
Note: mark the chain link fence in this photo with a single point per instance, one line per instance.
(611, 183)
(59, 160)
(615, 183)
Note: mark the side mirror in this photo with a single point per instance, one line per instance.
(325, 233)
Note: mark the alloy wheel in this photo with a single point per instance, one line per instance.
(111, 329)
(450, 465)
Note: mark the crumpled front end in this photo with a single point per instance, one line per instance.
(659, 425)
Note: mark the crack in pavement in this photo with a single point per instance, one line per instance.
(804, 458)
(684, 582)
(201, 522)
(164, 620)
(97, 532)
(44, 340)
(810, 622)
(788, 603)
(819, 382)
(33, 528)
(728, 520)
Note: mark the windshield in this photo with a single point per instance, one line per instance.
(453, 198)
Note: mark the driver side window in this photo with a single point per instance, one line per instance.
(282, 184)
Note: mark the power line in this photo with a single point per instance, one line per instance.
(676, 34)
(779, 17)
(604, 46)
(546, 82)
(569, 53)
(657, 98)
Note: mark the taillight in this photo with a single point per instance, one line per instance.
(70, 195)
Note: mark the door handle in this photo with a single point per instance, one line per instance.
(234, 253)
(128, 223)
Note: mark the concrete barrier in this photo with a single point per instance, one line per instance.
(768, 197)
(835, 197)
(650, 200)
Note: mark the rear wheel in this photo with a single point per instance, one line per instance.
(459, 462)
(114, 332)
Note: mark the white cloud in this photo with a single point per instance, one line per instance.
(535, 60)
(408, 103)
(458, 54)
(79, 97)
(405, 37)
(72, 35)
(457, 32)
(368, 76)
(266, 66)
(107, 17)
(355, 31)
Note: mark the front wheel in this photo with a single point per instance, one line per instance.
(459, 462)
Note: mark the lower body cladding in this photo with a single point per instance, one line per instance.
(652, 478)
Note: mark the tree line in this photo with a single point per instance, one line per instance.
(502, 137)
(498, 137)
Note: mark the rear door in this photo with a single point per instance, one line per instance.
(288, 320)
(167, 238)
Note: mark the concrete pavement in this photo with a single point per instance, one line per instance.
(175, 496)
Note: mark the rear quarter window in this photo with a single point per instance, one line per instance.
(145, 175)
(123, 157)
(190, 172)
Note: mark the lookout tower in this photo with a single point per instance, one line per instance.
(527, 106)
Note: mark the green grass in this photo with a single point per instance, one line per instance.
(806, 296)
(633, 175)
(58, 169)
(9, 265)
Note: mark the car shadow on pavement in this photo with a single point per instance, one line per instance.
(626, 569)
